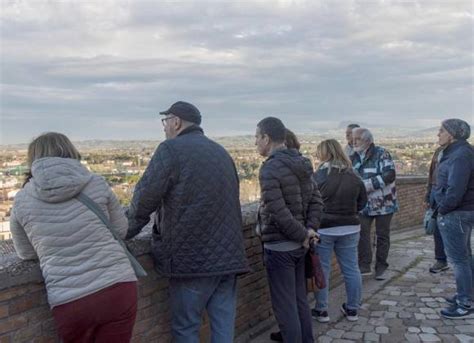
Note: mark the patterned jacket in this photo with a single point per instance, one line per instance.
(377, 171)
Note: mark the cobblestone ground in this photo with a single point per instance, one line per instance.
(403, 309)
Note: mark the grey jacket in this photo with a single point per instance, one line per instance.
(77, 253)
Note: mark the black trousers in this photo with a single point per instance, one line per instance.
(286, 278)
(382, 231)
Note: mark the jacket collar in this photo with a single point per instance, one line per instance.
(191, 129)
(453, 146)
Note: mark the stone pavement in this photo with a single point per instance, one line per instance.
(403, 308)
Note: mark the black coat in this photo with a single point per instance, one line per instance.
(290, 200)
(343, 194)
(194, 182)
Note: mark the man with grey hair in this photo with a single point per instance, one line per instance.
(377, 170)
(349, 148)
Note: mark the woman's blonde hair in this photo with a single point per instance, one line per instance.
(330, 151)
(50, 144)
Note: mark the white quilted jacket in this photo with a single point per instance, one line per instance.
(77, 253)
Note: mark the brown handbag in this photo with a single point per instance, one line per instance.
(314, 271)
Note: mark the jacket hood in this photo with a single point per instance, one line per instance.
(298, 164)
(57, 179)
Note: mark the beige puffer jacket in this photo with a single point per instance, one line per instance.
(77, 253)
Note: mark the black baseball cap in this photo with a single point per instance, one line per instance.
(185, 111)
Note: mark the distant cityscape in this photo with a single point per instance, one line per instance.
(123, 162)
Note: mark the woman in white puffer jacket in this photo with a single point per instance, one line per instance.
(90, 282)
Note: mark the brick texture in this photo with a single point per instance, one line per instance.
(25, 315)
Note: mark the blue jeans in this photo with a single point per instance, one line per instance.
(189, 298)
(345, 248)
(287, 282)
(455, 229)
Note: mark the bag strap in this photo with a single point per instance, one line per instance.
(94, 207)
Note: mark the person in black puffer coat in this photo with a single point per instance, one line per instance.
(199, 242)
(344, 195)
(288, 216)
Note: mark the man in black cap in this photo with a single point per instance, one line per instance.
(198, 242)
(454, 202)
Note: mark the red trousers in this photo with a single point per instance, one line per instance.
(102, 317)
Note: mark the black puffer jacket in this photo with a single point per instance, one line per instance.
(290, 200)
(194, 182)
(343, 194)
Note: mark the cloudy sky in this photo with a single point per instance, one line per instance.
(102, 69)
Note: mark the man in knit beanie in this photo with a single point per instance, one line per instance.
(454, 201)
(457, 128)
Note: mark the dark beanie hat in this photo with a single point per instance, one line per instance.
(457, 128)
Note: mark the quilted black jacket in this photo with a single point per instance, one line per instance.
(194, 182)
(290, 200)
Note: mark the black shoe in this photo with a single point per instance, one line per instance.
(438, 267)
(380, 274)
(276, 336)
(351, 315)
(320, 316)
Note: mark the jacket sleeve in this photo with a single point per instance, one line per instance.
(384, 177)
(362, 198)
(21, 242)
(315, 209)
(275, 205)
(117, 215)
(458, 179)
(151, 189)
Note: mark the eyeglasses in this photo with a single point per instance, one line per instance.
(163, 121)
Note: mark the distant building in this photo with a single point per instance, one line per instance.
(5, 230)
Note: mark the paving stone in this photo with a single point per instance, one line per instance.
(390, 315)
(371, 337)
(429, 337)
(363, 328)
(324, 339)
(377, 313)
(404, 315)
(448, 338)
(342, 341)
(420, 316)
(408, 294)
(427, 329)
(412, 338)
(447, 329)
(335, 333)
(353, 335)
(376, 321)
(388, 302)
(395, 293)
(432, 304)
(413, 329)
(426, 300)
(344, 325)
(465, 338)
(382, 330)
(427, 310)
(465, 328)
(432, 316)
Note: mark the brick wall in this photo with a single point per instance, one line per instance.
(25, 315)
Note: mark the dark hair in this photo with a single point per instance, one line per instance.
(353, 126)
(273, 128)
(291, 141)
